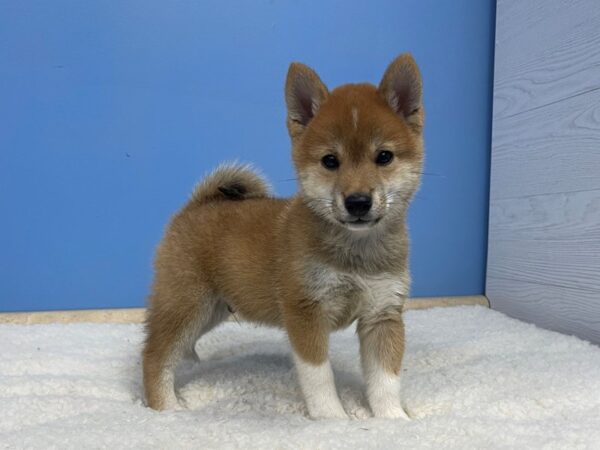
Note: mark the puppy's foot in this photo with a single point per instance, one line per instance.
(331, 412)
(359, 413)
(326, 408)
(391, 412)
(169, 402)
(180, 405)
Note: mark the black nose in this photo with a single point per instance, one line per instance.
(358, 204)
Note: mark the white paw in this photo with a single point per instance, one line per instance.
(172, 403)
(180, 405)
(391, 412)
(328, 413)
(359, 413)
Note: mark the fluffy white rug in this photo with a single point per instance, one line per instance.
(473, 378)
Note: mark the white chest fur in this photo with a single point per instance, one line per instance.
(345, 296)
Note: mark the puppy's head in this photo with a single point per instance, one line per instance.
(358, 150)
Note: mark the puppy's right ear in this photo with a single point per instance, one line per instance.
(304, 94)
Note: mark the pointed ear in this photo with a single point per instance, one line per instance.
(401, 87)
(304, 94)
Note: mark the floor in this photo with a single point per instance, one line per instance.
(472, 378)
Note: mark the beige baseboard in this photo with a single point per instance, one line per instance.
(436, 302)
(119, 315)
(136, 315)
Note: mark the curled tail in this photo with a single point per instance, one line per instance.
(231, 182)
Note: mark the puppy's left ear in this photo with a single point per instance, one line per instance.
(402, 89)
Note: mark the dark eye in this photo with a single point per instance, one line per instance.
(330, 162)
(384, 157)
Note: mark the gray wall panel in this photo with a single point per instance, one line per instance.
(544, 231)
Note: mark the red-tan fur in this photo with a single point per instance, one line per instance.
(254, 254)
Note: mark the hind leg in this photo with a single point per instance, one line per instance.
(174, 323)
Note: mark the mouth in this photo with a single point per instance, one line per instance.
(360, 224)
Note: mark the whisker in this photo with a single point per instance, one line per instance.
(325, 200)
(431, 174)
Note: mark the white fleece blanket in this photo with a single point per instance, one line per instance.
(472, 378)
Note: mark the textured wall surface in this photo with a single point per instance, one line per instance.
(544, 241)
(111, 111)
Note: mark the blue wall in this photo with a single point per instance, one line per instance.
(111, 111)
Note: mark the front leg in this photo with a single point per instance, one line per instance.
(309, 337)
(381, 336)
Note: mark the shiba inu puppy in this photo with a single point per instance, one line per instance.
(335, 253)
